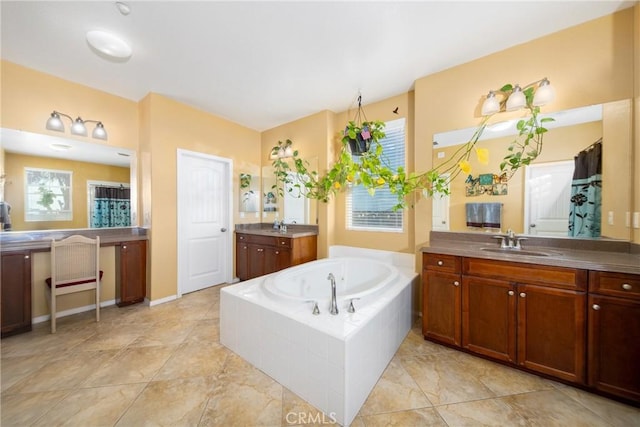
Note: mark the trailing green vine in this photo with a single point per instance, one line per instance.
(371, 169)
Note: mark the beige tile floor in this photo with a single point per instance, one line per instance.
(164, 365)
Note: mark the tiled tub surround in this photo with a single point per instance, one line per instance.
(332, 362)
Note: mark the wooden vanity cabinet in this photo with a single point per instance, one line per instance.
(533, 316)
(441, 299)
(257, 255)
(614, 334)
(131, 272)
(16, 292)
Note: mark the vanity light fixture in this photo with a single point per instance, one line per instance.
(77, 126)
(515, 97)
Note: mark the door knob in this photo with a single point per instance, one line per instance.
(532, 225)
(223, 229)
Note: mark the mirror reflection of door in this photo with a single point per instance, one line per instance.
(296, 206)
(440, 208)
(547, 196)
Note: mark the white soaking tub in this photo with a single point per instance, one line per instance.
(331, 361)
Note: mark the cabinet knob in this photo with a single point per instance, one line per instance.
(124, 246)
(244, 247)
(456, 283)
(511, 293)
(596, 307)
(241, 237)
(522, 295)
(440, 263)
(283, 243)
(260, 250)
(626, 286)
(26, 257)
(277, 252)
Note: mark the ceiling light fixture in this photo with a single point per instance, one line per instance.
(515, 97)
(123, 8)
(77, 126)
(108, 44)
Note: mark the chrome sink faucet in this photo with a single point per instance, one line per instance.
(334, 305)
(510, 240)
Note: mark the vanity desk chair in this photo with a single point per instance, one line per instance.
(75, 267)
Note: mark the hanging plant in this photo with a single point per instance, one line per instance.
(371, 168)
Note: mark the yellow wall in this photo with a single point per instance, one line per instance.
(636, 109)
(588, 64)
(82, 172)
(170, 125)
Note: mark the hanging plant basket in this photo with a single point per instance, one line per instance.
(359, 133)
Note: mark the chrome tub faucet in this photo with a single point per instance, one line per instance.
(334, 305)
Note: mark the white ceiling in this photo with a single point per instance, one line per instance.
(262, 64)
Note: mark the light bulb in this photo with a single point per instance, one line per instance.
(490, 105)
(544, 94)
(516, 100)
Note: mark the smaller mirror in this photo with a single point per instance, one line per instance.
(249, 193)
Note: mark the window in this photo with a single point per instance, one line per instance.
(365, 212)
(47, 195)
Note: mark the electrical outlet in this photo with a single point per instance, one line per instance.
(636, 220)
(610, 218)
(441, 154)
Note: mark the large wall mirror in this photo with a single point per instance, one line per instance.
(293, 208)
(51, 182)
(537, 199)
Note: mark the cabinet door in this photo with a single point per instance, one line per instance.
(242, 259)
(441, 307)
(256, 261)
(551, 331)
(614, 346)
(488, 317)
(277, 259)
(131, 261)
(16, 293)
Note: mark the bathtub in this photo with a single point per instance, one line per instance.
(331, 361)
(357, 279)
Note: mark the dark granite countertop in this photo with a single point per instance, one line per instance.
(41, 240)
(600, 255)
(265, 229)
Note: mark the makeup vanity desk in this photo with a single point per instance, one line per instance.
(16, 251)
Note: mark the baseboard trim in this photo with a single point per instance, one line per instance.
(151, 303)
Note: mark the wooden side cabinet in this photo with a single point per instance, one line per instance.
(614, 334)
(16, 292)
(131, 272)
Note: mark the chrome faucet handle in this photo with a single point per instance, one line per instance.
(316, 310)
(503, 241)
(518, 240)
(351, 308)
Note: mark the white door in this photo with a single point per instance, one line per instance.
(204, 221)
(547, 196)
(440, 212)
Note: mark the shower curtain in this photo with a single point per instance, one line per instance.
(112, 207)
(586, 193)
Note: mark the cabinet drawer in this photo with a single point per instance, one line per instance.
(283, 242)
(546, 275)
(256, 239)
(616, 284)
(438, 262)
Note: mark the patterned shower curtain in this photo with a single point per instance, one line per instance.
(586, 193)
(112, 207)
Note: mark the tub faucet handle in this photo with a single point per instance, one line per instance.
(351, 308)
(316, 310)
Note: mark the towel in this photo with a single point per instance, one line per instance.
(492, 215)
(474, 214)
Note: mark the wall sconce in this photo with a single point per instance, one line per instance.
(514, 97)
(77, 125)
(282, 151)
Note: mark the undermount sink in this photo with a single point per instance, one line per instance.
(516, 252)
